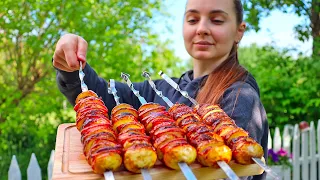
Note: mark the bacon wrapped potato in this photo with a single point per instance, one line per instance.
(167, 138)
(100, 145)
(210, 147)
(138, 150)
(243, 147)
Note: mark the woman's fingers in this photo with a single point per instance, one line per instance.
(61, 67)
(61, 60)
(82, 49)
(69, 50)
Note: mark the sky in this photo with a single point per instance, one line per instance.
(276, 29)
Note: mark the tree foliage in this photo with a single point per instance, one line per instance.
(289, 87)
(31, 107)
(308, 9)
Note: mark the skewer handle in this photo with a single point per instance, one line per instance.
(112, 90)
(125, 77)
(84, 87)
(176, 86)
(108, 175)
(153, 86)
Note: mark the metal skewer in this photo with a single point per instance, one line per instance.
(108, 175)
(176, 86)
(84, 87)
(159, 93)
(125, 77)
(224, 166)
(112, 90)
(266, 168)
(187, 172)
(145, 174)
(185, 94)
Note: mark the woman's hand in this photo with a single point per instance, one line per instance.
(69, 51)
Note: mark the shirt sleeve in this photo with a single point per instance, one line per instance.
(242, 103)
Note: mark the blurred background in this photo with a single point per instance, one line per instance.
(281, 49)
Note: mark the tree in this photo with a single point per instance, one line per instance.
(31, 107)
(118, 33)
(289, 87)
(309, 9)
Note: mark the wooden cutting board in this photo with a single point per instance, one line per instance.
(70, 163)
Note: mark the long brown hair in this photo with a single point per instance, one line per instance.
(226, 73)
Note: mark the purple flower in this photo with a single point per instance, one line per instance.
(273, 155)
(270, 152)
(282, 152)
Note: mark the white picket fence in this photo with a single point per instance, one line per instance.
(305, 148)
(304, 145)
(33, 170)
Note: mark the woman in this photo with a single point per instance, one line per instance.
(212, 30)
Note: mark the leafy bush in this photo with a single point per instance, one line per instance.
(289, 87)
